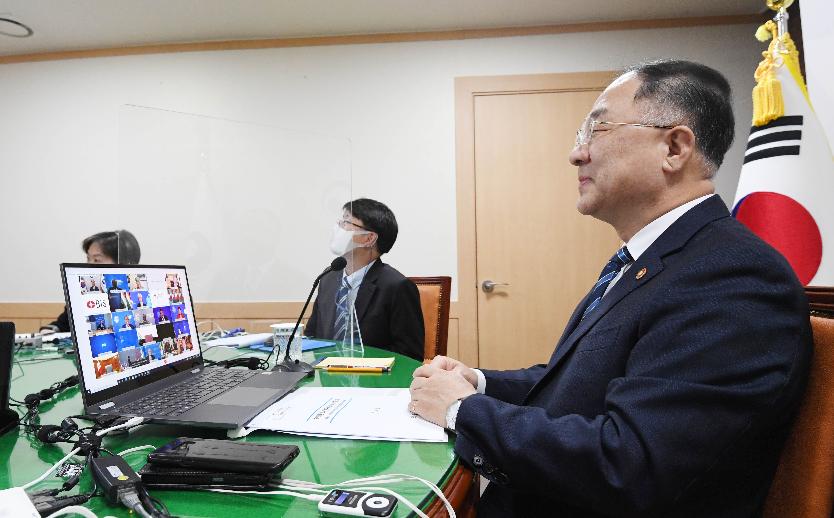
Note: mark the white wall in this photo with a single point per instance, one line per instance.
(394, 103)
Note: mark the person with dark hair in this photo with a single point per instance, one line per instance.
(676, 380)
(114, 247)
(387, 304)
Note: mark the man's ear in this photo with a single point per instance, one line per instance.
(369, 240)
(680, 147)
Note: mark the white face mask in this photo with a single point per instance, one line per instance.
(342, 240)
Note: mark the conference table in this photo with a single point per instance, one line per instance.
(322, 460)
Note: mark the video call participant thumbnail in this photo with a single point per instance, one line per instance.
(114, 247)
(387, 303)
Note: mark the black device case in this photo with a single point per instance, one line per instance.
(173, 477)
(225, 456)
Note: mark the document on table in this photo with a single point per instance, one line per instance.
(348, 413)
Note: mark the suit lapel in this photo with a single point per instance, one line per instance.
(367, 289)
(573, 321)
(627, 283)
(672, 240)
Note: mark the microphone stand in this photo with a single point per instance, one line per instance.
(286, 364)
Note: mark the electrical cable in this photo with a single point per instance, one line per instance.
(40, 359)
(86, 442)
(402, 499)
(212, 333)
(291, 487)
(47, 504)
(314, 498)
(383, 479)
(135, 421)
(157, 508)
(252, 362)
(138, 448)
(130, 499)
(50, 470)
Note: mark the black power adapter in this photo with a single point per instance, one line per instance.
(121, 484)
(115, 477)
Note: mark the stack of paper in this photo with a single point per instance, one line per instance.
(350, 363)
(348, 413)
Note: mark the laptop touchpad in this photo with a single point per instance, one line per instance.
(243, 396)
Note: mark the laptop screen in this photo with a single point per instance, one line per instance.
(132, 325)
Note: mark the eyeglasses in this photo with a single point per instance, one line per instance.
(590, 126)
(343, 223)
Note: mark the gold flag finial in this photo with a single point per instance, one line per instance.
(776, 5)
(768, 104)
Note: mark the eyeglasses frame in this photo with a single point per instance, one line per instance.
(584, 136)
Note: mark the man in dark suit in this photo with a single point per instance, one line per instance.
(387, 303)
(675, 382)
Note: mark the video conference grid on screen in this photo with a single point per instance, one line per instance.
(130, 321)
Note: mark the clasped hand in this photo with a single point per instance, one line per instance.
(439, 384)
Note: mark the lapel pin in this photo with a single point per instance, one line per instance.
(641, 273)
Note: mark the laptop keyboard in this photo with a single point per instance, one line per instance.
(182, 397)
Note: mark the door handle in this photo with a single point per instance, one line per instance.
(489, 286)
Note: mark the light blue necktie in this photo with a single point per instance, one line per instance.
(617, 262)
(342, 310)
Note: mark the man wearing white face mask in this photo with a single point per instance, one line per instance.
(387, 303)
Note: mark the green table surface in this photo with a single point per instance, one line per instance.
(23, 458)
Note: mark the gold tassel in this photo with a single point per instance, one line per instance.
(763, 33)
(768, 104)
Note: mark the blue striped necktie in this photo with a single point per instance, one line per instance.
(342, 310)
(617, 262)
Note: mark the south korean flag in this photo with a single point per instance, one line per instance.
(786, 188)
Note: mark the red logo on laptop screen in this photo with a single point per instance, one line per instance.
(91, 304)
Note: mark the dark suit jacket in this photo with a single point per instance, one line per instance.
(387, 306)
(61, 323)
(671, 399)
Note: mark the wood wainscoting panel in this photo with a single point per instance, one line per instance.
(255, 317)
(28, 317)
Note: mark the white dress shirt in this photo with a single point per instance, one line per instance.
(355, 280)
(637, 245)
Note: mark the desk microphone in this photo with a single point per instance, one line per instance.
(286, 364)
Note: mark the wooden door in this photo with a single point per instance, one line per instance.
(528, 232)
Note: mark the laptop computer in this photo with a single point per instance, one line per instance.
(139, 353)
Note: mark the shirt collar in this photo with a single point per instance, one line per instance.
(356, 278)
(647, 235)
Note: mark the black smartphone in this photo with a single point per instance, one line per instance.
(223, 455)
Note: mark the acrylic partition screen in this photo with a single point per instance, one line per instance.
(247, 208)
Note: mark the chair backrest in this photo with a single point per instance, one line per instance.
(434, 301)
(804, 483)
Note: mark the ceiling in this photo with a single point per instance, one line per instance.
(96, 24)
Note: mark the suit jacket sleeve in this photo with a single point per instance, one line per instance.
(512, 386)
(62, 322)
(408, 333)
(697, 384)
